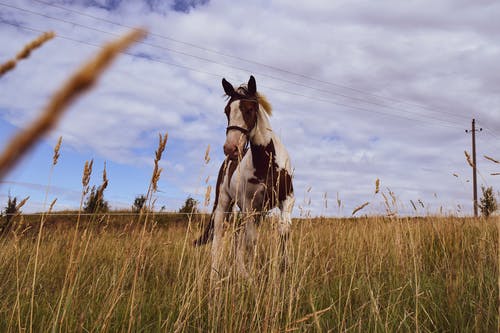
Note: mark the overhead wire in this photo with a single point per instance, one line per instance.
(237, 67)
(275, 68)
(442, 123)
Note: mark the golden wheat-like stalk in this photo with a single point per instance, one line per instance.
(158, 153)
(357, 209)
(22, 203)
(207, 154)
(56, 151)
(207, 195)
(377, 185)
(81, 81)
(26, 51)
(87, 172)
(52, 204)
(469, 160)
(491, 159)
(495, 174)
(104, 185)
(7, 66)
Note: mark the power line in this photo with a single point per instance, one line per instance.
(491, 132)
(329, 101)
(363, 100)
(252, 61)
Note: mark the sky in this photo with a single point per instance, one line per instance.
(361, 90)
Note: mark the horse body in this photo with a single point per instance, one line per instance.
(256, 179)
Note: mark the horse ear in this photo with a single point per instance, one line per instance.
(252, 86)
(228, 87)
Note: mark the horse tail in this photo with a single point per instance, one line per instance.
(207, 235)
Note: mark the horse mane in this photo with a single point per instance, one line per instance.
(263, 102)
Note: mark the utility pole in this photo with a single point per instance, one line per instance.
(474, 170)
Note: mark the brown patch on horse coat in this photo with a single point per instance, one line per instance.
(249, 111)
(277, 182)
(248, 107)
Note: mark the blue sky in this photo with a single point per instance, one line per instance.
(360, 91)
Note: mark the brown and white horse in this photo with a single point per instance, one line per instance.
(255, 178)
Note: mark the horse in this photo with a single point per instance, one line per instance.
(256, 175)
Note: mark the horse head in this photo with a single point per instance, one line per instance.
(241, 111)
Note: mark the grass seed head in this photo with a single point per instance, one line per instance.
(22, 203)
(52, 204)
(87, 172)
(8, 66)
(26, 51)
(357, 209)
(207, 154)
(78, 83)
(56, 151)
(491, 159)
(207, 195)
(469, 160)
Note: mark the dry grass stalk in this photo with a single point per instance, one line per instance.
(22, 203)
(153, 187)
(100, 190)
(491, 159)
(357, 209)
(309, 316)
(56, 151)
(393, 197)
(8, 66)
(52, 205)
(207, 195)
(158, 153)
(87, 172)
(81, 81)
(207, 154)
(495, 174)
(377, 186)
(26, 51)
(469, 160)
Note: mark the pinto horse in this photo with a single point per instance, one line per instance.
(256, 174)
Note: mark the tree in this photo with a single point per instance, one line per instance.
(10, 211)
(139, 203)
(190, 206)
(488, 203)
(95, 202)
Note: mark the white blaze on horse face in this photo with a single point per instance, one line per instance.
(235, 139)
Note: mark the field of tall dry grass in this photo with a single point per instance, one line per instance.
(436, 274)
(106, 273)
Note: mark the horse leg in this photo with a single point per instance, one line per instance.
(284, 224)
(245, 246)
(223, 205)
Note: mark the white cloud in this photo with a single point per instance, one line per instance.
(408, 60)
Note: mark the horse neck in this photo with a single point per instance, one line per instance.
(262, 146)
(261, 135)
